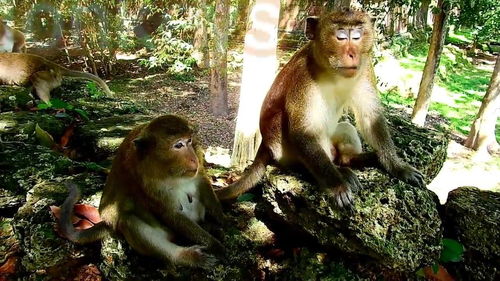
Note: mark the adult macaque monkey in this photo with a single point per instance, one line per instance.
(299, 116)
(157, 188)
(11, 40)
(25, 69)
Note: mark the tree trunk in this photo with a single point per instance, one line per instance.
(482, 133)
(242, 19)
(421, 16)
(435, 48)
(200, 42)
(259, 69)
(218, 77)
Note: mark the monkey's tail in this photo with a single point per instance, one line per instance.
(94, 233)
(249, 179)
(89, 76)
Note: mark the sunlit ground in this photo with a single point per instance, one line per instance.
(457, 96)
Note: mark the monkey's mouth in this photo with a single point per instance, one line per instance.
(191, 173)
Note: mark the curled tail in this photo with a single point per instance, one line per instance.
(89, 76)
(94, 233)
(249, 179)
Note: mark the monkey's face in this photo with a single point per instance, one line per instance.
(167, 148)
(342, 40)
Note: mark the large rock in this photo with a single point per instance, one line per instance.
(472, 217)
(392, 225)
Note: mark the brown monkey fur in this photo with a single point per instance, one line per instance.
(15, 37)
(44, 75)
(157, 188)
(299, 116)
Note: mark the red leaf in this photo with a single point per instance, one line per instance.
(56, 211)
(9, 267)
(88, 212)
(83, 224)
(68, 133)
(441, 275)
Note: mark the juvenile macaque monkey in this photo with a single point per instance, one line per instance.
(157, 188)
(25, 69)
(299, 116)
(11, 40)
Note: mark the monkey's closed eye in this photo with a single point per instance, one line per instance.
(189, 141)
(341, 34)
(356, 34)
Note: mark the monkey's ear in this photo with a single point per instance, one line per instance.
(311, 27)
(142, 143)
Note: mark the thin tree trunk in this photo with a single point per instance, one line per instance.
(482, 133)
(435, 48)
(200, 42)
(218, 79)
(242, 19)
(421, 16)
(259, 70)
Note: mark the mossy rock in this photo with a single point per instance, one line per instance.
(13, 98)
(99, 139)
(393, 226)
(472, 217)
(20, 126)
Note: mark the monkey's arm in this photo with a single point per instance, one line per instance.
(210, 201)
(373, 127)
(317, 162)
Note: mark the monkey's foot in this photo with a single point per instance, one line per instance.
(342, 194)
(411, 176)
(196, 257)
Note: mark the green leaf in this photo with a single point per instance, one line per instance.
(435, 268)
(82, 113)
(44, 105)
(43, 137)
(245, 197)
(57, 103)
(420, 272)
(452, 250)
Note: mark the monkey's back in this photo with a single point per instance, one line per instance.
(274, 119)
(16, 68)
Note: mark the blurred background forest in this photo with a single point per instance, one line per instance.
(213, 61)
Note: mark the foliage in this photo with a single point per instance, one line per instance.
(482, 16)
(452, 251)
(63, 107)
(172, 48)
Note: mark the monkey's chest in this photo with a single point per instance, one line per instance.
(187, 200)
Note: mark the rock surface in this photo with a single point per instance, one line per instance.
(473, 218)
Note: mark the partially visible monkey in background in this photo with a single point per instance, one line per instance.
(157, 189)
(11, 40)
(299, 116)
(26, 69)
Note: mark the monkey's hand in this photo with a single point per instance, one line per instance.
(197, 257)
(409, 175)
(342, 194)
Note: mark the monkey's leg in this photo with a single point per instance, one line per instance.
(44, 82)
(376, 133)
(184, 226)
(153, 239)
(338, 183)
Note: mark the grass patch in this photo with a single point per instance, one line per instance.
(464, 83)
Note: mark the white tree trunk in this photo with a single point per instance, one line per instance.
(435, 48)
(482, 133)
(259, 70)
